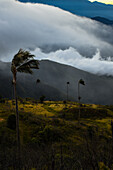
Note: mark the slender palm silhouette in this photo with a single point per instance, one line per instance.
(79, 98)
(22, 62)
(38, 81)
(67, 89)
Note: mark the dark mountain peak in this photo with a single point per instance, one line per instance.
(80, 7)
(100, 3)
(103, 20)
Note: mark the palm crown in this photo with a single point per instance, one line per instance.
(23, 61)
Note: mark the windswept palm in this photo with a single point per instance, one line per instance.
(22, 62)
(79, 98)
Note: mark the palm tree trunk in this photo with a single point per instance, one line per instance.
(67, 92)
(17, 126)
(53, 160)
(79, 103)
(61, 158)
(79, 113)
(112, 137)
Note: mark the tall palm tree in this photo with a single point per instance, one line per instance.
(22, 62)
(38, 81)
(79, 98)
(67, 89)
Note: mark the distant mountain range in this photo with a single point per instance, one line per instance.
(80, 7)
(103, 20)
(53, 82)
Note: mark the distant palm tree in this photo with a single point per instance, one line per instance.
(38, 81)
(67, 89)
(22, 62)
(79, 98)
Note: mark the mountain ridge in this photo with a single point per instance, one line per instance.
(103, 20)
(82, 8)
(53, 83)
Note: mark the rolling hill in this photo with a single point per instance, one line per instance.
(53, 77)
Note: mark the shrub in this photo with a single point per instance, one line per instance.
(103, 166)
(2, 100)
(42, 99)
(0, 96)
(64, 102)
(50, 134)
(11, 122)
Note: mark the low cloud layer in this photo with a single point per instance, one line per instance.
(95, 65)
(55, 34)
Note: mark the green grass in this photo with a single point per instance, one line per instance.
(57, 114)
(52, 124)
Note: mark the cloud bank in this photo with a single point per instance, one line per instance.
(51, 33)
(95, 65)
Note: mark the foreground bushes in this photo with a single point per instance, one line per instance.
(56, 141)
(11, 122)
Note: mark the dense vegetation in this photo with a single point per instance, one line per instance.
(51, 137)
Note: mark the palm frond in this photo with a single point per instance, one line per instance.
(27, 66)
(81, 82)
(21, 57)
(25, 69)
(23, 61)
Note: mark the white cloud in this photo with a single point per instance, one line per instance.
(95, 65)
(61, 36)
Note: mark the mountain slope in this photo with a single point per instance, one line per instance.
(53, 77)
(103, 20)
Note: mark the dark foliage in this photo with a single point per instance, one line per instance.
(2, 100)
(11, 122)
(42, 99)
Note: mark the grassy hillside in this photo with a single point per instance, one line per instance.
(52, 138)
(53, 83)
